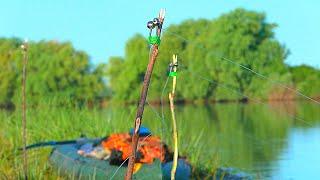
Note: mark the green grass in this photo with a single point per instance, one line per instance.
(230, 135)
(48, 122)
(44, 123)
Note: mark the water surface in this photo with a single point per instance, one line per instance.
(274, 141)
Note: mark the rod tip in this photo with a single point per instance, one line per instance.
(24, 45)
(162, 13)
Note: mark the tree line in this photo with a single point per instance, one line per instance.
(211, 50)
(55, 71)
(216, 50)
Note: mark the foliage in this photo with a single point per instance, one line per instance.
(54, 69)
(126, 75)
(8, 69)
(210, 54)
(241, 36)
(306, 79)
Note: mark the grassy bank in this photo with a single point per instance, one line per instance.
(56, 123)
(44, 123)
(233, 135)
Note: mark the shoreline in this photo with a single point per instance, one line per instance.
(210, 102)
(107, 103)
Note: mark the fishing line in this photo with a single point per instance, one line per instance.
(96, 167)
(241, 94)
(161, 98)
(249, 136)
(199, 136)
(116, 171)
(158, 115)
(189, 146)
(163, 124)
(271, 80)
(245, 67)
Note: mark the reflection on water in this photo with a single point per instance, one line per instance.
(276, 141)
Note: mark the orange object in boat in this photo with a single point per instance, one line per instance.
(150, 147)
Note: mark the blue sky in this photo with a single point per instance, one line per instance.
(101, 28)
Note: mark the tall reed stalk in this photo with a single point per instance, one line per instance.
(24, 48)
(173, 73)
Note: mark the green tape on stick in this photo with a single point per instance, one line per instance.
(172, 74)
(154, 40)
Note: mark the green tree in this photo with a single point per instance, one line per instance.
(306, 79)
(126, 75)
(54, 70)
(8, 69)
(204, 48)
(245, 38)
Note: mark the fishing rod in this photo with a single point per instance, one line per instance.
(155, 42)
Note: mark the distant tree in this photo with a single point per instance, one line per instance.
(245, 38)
(306, 79)
(126, 75)
(54, 70)
(8, 69)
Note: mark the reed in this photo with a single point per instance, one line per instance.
(24, 48)
(173, 73)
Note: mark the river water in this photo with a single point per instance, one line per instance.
(271, 141)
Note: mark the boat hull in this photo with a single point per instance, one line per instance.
(68, 162)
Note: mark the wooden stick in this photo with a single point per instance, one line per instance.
(24, 48)
(143, 96)
(174, 123)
